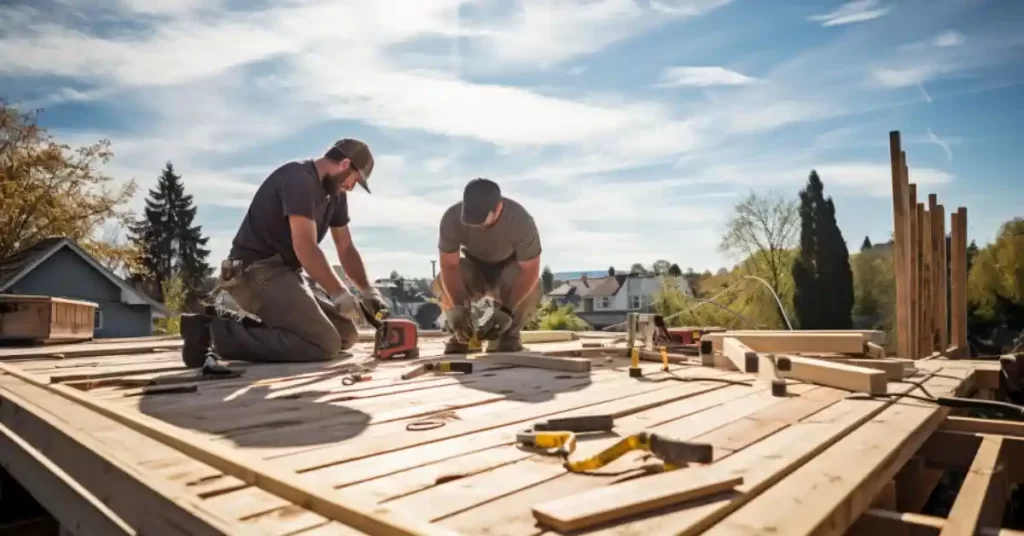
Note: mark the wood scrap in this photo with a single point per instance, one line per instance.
(523, 359)
(634, 497)
(832, 374)
(791, 342)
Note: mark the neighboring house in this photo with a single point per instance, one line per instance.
(605, 301)
(57, 267)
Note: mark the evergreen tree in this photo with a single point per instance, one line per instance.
(823, 297)
(866, 245)
(547, 279)
(172, 244)
(674, 270)
(611, 271)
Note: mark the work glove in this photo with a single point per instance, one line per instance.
(347, 305)
(460, 323)
(374, 302)
(499, 323)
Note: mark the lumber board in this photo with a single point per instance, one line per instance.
(331, 505)
(870, 335)
(982, 497)
(894, 369)
(739, 354)
(523, 359)
(799, 342)
(146, 504)
(631, 498)
(834, 374)
(64, 351)
(77, 510)
(828, 493)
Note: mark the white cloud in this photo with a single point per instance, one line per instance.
(703, 77)
(941, 143)
(852, 12)
(906, 77)
(949, 38)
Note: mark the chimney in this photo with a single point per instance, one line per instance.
(583, 279)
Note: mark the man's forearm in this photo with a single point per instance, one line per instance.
(453, 285)
(352, 263)
(315, 263)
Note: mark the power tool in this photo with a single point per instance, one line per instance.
(394, 338)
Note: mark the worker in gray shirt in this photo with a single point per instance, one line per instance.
(279, 237)
(500, 257)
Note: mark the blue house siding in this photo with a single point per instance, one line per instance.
(65, 274)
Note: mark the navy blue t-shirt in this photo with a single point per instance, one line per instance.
(292, 189)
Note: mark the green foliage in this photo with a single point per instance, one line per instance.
(176, 300)
(824, 294)
(550, 316)
(874, 279)
(762, 230)
(995, 284)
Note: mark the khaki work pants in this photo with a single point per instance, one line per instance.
(297, 325)
(496, 280)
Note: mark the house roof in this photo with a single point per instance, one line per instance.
(603, 286)
(19, 265)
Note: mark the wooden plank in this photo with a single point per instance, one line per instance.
(632, 498)
(869, 335)
(835, 374)
(522, 359)
(927, 334)
(983, 495)
(331, 505)
(739, 354)
(894, 369)
(961, 312)
(773, 459)
(840, 483)
(65, 499)
(64, 351)
(901, 241)
(957, 280)
(915, 274)
(804, 342)
(146, 504)
(983, 426)
(943, 287)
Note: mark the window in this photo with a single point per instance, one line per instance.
(636, 302)
(97, 319)
(606, 302)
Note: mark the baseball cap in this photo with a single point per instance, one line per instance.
(480, 197)
(359, 154)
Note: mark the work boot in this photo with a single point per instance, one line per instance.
(453, 346)
(195, 332)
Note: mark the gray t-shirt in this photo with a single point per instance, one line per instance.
(514, 235)
(292, 189)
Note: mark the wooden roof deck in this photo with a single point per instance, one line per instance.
(288, 449)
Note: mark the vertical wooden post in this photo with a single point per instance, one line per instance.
(962, 298)
(900, 227)
(919, 305)
(912, 251)
(943, 287)
(955, 280)
(927, 292)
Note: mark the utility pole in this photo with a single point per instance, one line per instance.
(433, 269)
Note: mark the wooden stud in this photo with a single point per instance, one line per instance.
(943, 287)
(740, 355)
(900, 198)
(568, 364)
(851, 342)
(962, 256)
(914, 251)
(927, 338)
(834, 374)
(982, 497)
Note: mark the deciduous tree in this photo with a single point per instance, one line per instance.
(762, 230)
(48, 189)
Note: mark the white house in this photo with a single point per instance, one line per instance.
(605, 301)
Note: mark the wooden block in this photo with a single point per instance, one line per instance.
(634, 497)
(740, 355)
(804, 341)
(839, 375)
(874, 350)
(568, 364)
(895, 369)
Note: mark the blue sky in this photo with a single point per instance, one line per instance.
(628, 127)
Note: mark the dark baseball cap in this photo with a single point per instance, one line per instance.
(359, 154)
(480, 197)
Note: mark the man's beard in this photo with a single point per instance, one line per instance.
(332, 183)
